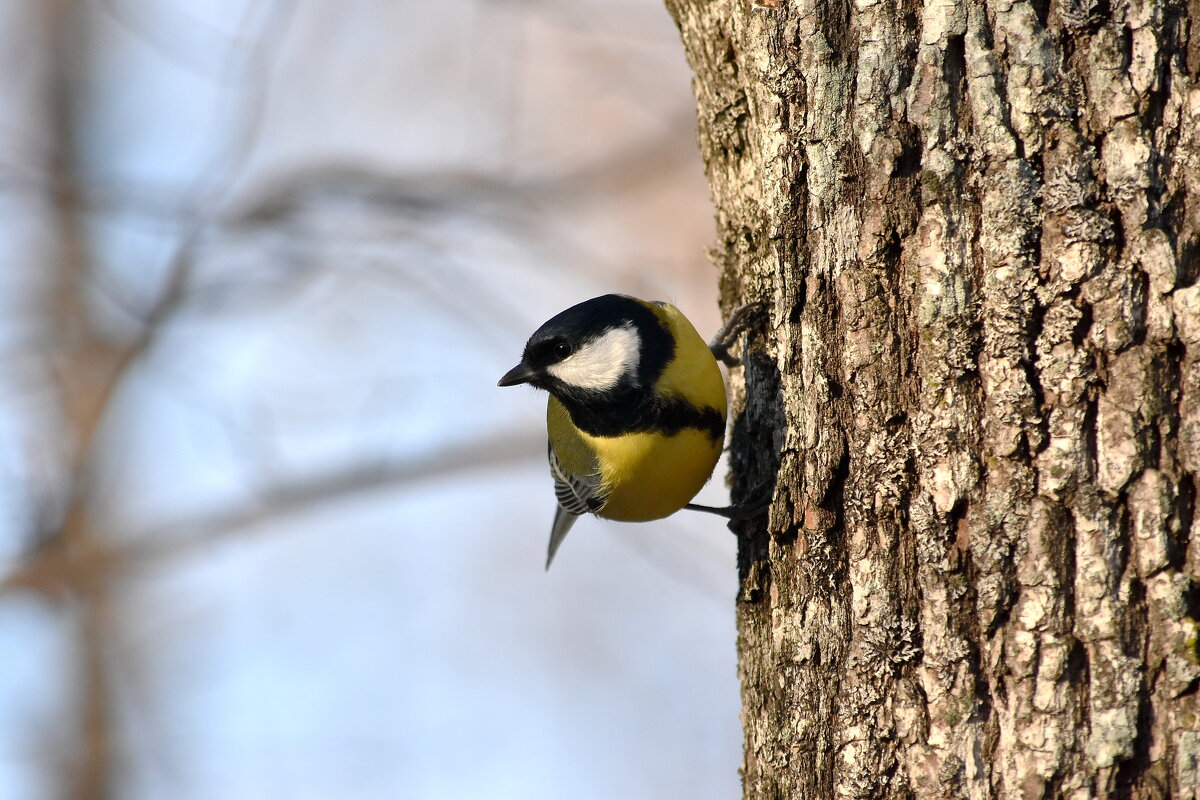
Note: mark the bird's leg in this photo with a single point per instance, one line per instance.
(739, 321)
(753, 506)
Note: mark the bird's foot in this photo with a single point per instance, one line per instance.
(742, 318)
(755, 505)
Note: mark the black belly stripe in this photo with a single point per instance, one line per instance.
(665, 415)
(677, 414)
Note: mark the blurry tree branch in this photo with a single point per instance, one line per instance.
(53, 568)
(86, 372)
(68, 557)
(298, 496)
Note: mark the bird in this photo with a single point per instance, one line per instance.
(637, 408)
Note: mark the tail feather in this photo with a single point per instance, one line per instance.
(563, 520)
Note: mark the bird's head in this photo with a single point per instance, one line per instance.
(598, 350)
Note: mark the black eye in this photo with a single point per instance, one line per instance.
(562, 350)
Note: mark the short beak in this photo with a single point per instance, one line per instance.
(518, 374)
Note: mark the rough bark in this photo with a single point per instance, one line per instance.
(975, 226)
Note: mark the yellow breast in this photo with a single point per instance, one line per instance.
(651, 475)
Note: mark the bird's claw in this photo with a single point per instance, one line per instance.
(742, 318)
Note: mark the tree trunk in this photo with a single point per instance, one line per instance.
(976, 230)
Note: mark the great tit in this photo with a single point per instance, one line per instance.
(636, 416)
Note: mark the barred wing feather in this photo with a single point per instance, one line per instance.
(576, 495)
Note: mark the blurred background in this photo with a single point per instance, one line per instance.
(268, 529)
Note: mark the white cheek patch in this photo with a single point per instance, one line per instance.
(601, 363)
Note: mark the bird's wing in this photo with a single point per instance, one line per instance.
(576, 495)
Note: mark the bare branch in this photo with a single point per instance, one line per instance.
(56, 568)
